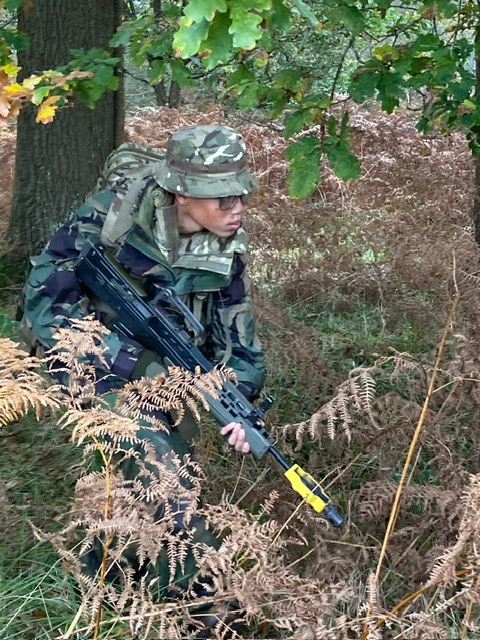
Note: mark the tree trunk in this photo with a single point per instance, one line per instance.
(174, 95)
(160, 94)
(58, 164)
(476, 204)
(164, 97)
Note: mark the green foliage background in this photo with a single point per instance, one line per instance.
(297, 61)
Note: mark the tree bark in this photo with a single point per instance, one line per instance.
(476, 203)
(58, 164)
(165, 97)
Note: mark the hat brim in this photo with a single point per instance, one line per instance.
(205, 186)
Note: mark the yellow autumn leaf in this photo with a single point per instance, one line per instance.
(46, 111)
(16, 90)
(10, 69)
(32, 81)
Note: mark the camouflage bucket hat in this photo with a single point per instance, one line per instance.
(206, 161)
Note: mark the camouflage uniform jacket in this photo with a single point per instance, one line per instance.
(208, 272)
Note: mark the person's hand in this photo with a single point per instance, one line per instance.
(237, 436)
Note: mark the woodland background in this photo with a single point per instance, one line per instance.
(355, 285)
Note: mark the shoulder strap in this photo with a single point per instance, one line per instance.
(128, 170)
(119, 216)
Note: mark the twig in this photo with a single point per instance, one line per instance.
(410, 598)
(396, 504)
(416, 435)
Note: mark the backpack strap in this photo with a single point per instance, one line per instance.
(125, 203)
(127, 170)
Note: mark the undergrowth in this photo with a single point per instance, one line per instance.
(353, 290)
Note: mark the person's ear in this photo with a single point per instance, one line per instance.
(181, 199)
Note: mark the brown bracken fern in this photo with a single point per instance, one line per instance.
(22, 386)
(130, 523)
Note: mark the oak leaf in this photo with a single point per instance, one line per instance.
(46, 111)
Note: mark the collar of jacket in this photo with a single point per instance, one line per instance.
(154, 232)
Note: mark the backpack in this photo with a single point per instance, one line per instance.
(128, 160)
(126, 169)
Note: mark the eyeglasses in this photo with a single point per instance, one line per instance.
(230, 202)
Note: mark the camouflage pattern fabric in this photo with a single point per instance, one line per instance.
(208, 272)
(206, 161)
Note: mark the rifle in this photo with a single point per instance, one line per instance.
(159, 325)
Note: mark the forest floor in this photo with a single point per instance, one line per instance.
(353, 289)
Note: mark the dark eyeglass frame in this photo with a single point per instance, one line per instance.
(226, 203)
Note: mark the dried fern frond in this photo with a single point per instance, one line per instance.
(465, 553)
(354, 397)
(145, 398)
(250, 565)
(79, 338)
(18, 397)
(16, 361)
(98, 422)
(22, 387)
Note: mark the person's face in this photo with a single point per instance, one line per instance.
(221, 216)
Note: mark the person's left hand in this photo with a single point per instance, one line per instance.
(237, 436)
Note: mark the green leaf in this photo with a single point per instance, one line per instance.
(8, 327)
(390, 88)
(103, 74)
(84, 93)
(123, 35)
(249, 95)
(296, 121)
(306, 12)
(463, 48)
(343, 162)
(316, 101)
(188, 38)
(40, 94)
(288, 78)
(364, 84)
(157, 71)
(425, 42)
(13, 5)
(417, 66)
(280, 16)
(304, 170)
(156, 47)
(199, 10)
(279, 102)
(240, 76)
(332, 126)
(386, 52)
(444, 73)
(245, 28)
(219, 43)
(460, 91)
(181, 73)
(351, 17)
(15, 39)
